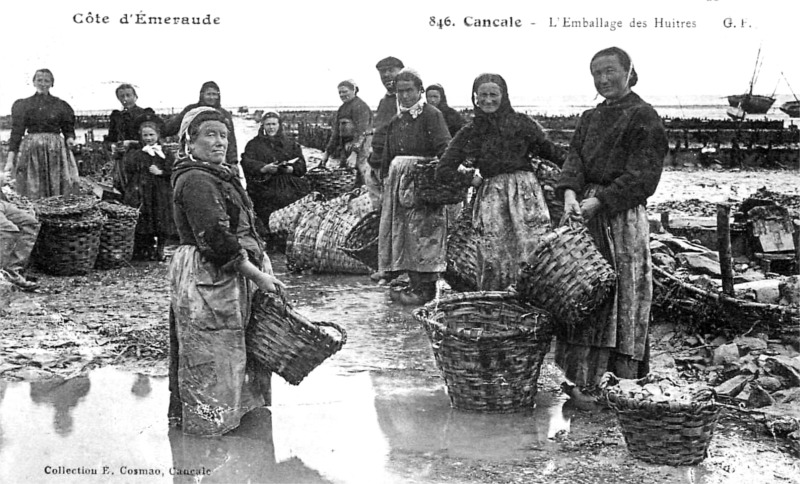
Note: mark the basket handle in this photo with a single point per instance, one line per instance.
(571, 220)
(335, 326)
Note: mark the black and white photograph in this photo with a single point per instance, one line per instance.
(400, 242)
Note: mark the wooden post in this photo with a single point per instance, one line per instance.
(724, 247)
(796, 235)
(665, 220)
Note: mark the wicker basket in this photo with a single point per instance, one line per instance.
(489, 347)
(567, 275)
(283, 222)
(666, 433)
(428, 191)
(64, 206)
(69, 245)
(286, 342)
(362, 241)
(117, 236)
(462, 254)
(331, 182)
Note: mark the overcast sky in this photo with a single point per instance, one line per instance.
(294, 53)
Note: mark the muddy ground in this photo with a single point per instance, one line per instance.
(119, 317)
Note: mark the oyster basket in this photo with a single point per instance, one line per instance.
(331, 182)
(428, 191)
(567, 275)
(489, 347)
(667, 433)
(285, 341)
(362, 241)
(117, 235)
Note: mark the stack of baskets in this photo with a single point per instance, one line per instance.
(285, 341)
(331, 183)
(69, 238)
(321, 229)
(117, 236)
(567, 275)
(489, 347)
(667, 432)
(282, 222)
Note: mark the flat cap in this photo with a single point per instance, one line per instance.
(389, 62)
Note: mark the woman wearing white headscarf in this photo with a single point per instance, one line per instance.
(214, 273)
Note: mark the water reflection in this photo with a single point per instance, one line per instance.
(141, 386)
(245, 455)
(63, 395)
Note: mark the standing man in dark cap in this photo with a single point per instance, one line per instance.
(387, 108)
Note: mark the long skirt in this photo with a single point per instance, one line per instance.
(617, 341)
(510, 217)
(44, 167)
(412, 237)
(212, 383)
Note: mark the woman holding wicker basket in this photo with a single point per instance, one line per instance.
(614, 165)
(214, 273)
(412, 235)
(493, 153)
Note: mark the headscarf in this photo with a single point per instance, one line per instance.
(409, 74)
(442, 95)
(349, 83)
(183, 137)
(271, 114)
(505, 103)
(207, 85)
(495, 132)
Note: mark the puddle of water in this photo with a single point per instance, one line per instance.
(333, 428)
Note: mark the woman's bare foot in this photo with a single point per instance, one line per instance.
(580, 400)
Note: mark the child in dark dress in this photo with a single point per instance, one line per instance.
(147, 173)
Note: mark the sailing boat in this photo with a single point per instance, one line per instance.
(792, 108)
(752, 103)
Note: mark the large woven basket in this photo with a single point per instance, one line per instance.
(666, 433)
(462, 253)
(331, 182)
(489, 347)
(362, 241)
(428, 191)
(69, 245)
(320, 232)
(285, 341)
(117, 235)
(282, 222)
(567, 275)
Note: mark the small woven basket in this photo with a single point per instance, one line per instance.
(428, 191)
(489, 347)
(331, 182)
(285, 341)
(117, 235)
(69, 245)
(362, 241)
(567, 275)
(462, 254)
(667, 433)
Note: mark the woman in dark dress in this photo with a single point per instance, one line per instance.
(493, 153)
(614, 165)
(41, 161)
(436, 97)
(273, 166)
(412, 235)
(123, 130)
(147, 172)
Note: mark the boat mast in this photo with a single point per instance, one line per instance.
(790, 87)
(755, 70)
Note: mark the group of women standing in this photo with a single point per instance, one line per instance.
(613, 165)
